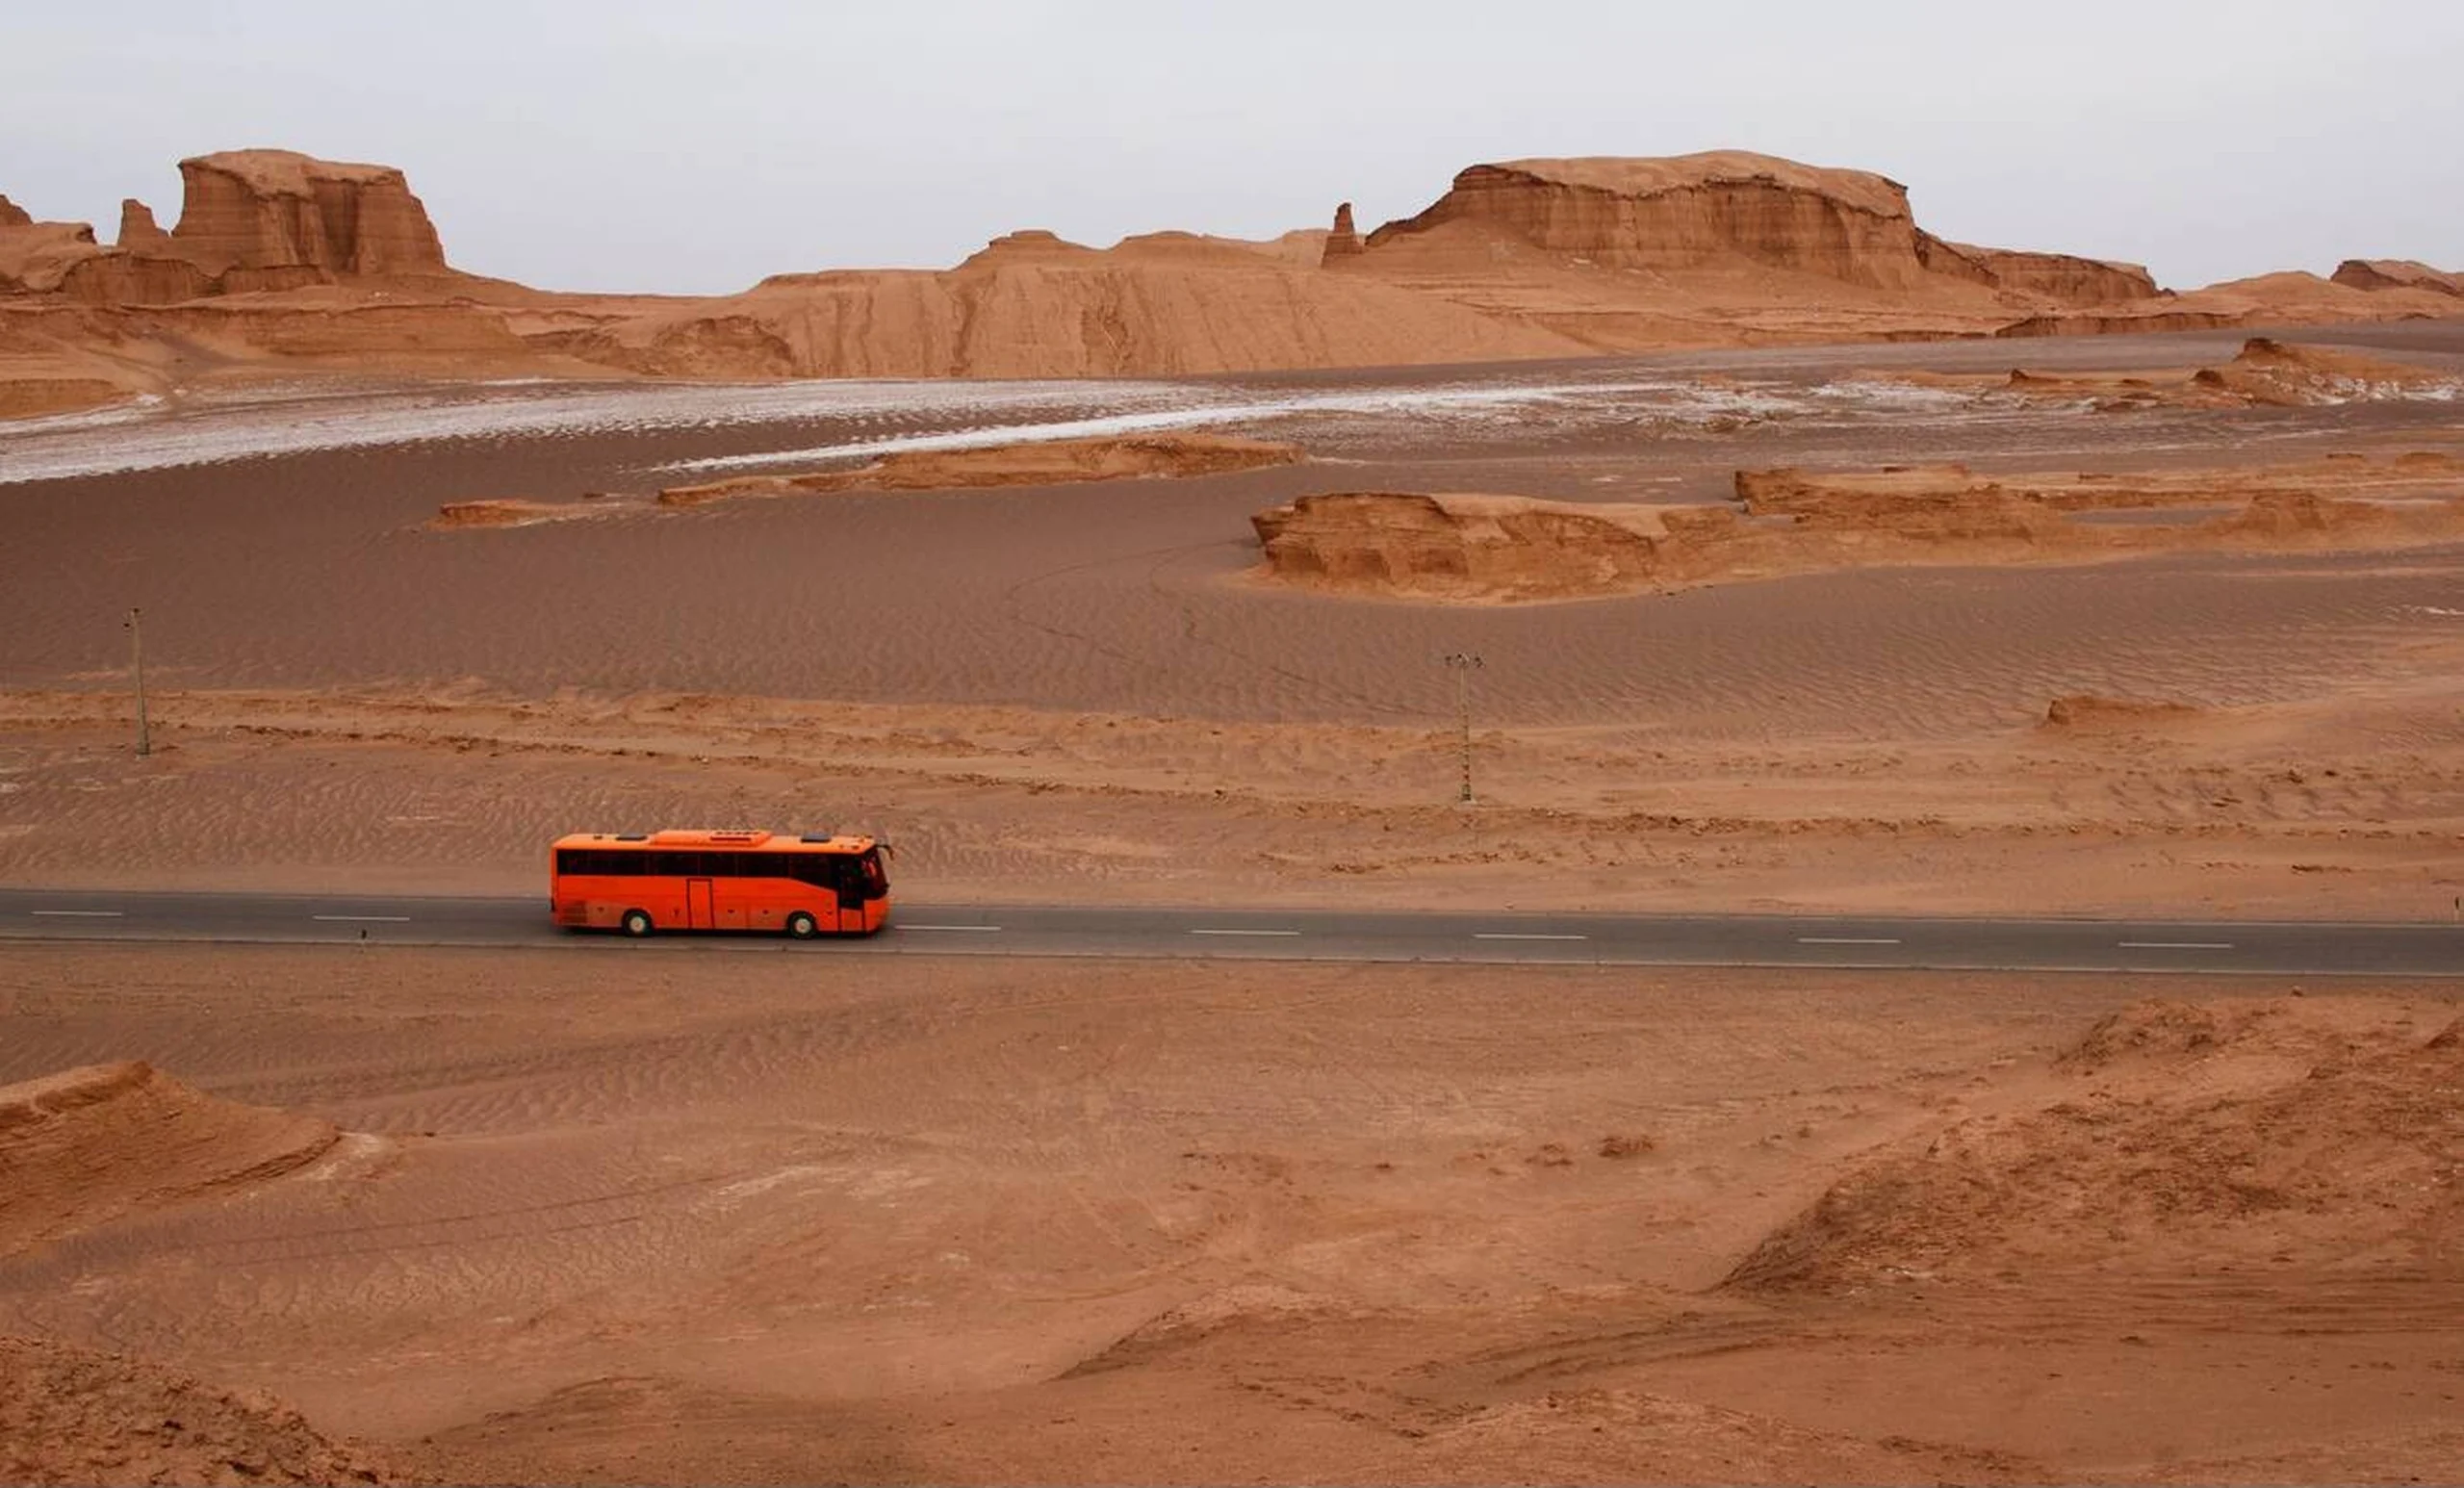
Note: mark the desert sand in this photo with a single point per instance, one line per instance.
(961, 1221)
(1075, 691)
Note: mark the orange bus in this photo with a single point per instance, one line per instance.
(641, 882)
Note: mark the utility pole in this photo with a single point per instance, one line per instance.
(136, 659)
(1464, 663)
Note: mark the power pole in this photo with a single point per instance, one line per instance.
(1464, 663)
(136, 659)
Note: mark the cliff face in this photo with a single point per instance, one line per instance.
(1690, 210)
(275, 209)
(13, 216)
(2066, 278)
(1730, 207)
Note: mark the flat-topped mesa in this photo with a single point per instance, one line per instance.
(139, 232)
(1344, 240)
(2396, 273)
(1691, 211)
(280, 210)
(1725, 208)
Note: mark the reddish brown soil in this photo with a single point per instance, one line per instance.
(626, 1214)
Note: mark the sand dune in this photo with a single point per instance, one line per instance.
(90, 1144)
(2289, 1135)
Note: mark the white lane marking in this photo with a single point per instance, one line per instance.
(2176, 946)
(82, 914)
(1521, 935)
(373, 919)
(1244, 932)
(985, 928)
(1844, 940)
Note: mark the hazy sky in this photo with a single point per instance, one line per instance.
(698, 147)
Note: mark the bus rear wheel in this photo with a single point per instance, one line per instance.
(636, 923)
(802, 926)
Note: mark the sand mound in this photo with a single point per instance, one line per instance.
(2274, 372)
(1252, 1304)
(2317, 1133)
(1626, 1436)
(2087, 711)
(82, 1147)
(1028, 463)
(72, 1415)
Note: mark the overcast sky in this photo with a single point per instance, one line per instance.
(696, 148)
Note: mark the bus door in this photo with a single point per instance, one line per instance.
(847, 875)
(697, 905)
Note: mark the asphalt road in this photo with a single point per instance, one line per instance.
(2253, 947)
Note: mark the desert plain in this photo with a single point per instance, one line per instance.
(1789, 609)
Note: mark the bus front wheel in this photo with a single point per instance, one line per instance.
(802, 926)
(636, 923)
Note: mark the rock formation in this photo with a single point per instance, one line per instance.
(1344, 240)
(1463, 547)
(122, 278)
(1727, 209)
(1460, 549)
(2396, 273)
(2063, 278)
(1688, 212)
(35, 255)
(139, 232)
(1524, 259)
(276, 209)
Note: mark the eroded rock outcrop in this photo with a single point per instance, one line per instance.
(1343, 240)
(1495, 549)
(1452, 548)
(13, 216)
(35, 255)
(1689, 211)
(139, 232)
(1728, 208)
(122, 278)
(2066, 277)
(2396, 273)
(277, 209)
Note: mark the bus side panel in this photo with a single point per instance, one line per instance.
(763, 904)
